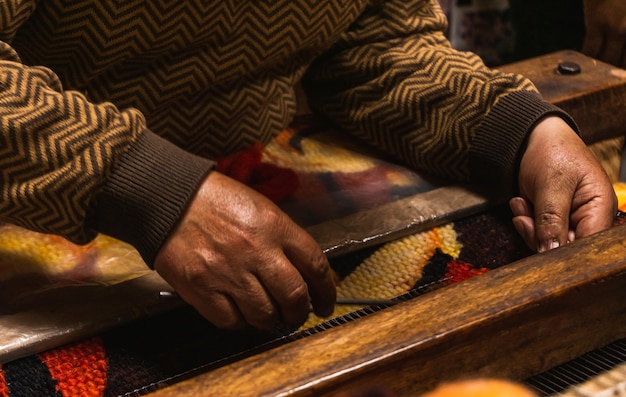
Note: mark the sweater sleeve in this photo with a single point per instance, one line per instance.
(75, 168)
(13, 13)
(394, 81)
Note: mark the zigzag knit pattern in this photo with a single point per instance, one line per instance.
(215, 77)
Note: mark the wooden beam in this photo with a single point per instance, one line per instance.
(595, 97)
(402, 218)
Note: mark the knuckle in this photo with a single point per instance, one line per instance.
(196, 279)
(273, 216)
(320, 266)
(550, 216)
(217, 310)
(294, 307)
(298, 294)
(265, 315)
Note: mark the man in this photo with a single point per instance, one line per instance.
(81, 154)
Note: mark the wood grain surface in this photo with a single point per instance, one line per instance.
(595, 97)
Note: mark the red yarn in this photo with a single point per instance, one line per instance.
(80, 369)
(4, 389)
(276, 183)
(458, 271)
(241, 165)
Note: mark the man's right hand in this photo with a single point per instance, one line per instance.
(239, 260)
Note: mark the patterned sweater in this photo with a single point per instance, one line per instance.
(110, 111)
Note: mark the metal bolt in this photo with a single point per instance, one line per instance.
(568, 68)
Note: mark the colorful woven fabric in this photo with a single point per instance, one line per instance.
(79, 370)
(316, 174)
(4, 389)
(308, 170)
(138, 358)
(395, 268)
(141, 357)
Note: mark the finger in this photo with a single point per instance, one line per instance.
(313, 265)
(587, 221)
(525, 226)
(524, 223)
(571, 236)
(521, 207)
(257, 306)
(523, 220)
(552, 209)
(288, 290)
(597, 213)
(220, 310)
(319, 278)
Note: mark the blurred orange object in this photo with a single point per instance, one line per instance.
(482, 387)
(620, 192)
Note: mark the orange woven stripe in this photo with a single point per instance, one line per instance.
(80, 369)
(4, 389)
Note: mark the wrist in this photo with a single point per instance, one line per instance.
(147, 192)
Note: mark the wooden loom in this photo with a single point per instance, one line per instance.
(525, 317)
(405, 355)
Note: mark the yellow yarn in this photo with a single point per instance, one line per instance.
(104, 261)
(393, 269)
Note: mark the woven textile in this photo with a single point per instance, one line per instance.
(140, 357)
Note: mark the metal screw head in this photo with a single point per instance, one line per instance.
(568, 68)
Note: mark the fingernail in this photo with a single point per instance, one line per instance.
(517, 206)
(168, 295)
(548, 245)
(571, 236)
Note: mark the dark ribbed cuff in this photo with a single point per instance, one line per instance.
(500, 140)
(148, 190)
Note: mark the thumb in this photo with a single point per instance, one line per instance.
(552, 209)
